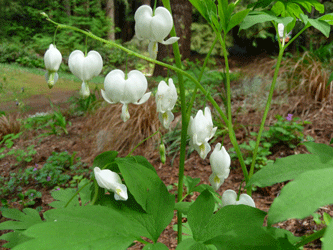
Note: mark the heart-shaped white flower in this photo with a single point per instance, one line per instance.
(85, 67)
(131, 90)
(229, 197)
(111, 181)
(220, 163)
(52, 61)
(166, 98)
(201, 130)
(155, 27)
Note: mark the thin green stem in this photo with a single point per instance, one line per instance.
(130, 153)
(311, 238)
(230, 126)
(189, 107)
(95, 194)
(278, 63)
(76, 193)
(268, 105)
(182, 156)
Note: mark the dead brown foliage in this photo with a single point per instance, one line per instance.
(9, 125)
(114, 134)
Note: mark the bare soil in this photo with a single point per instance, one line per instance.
(83, 138)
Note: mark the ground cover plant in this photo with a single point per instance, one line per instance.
(126, 192)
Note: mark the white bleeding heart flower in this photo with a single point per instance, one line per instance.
(130, 90)
(220, 163)
(84, 92)
(201, 130)
(52, 61)
(85, 67)
(229, 197)
(166, 98)
(283, 37)
(111, 181)
(155, 27)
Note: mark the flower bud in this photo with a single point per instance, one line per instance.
(162, 153)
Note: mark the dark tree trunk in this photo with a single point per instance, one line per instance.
(182, 17)
(109, 11)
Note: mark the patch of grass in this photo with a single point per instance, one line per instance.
(21, 83)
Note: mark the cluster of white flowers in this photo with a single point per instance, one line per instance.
(120, 87)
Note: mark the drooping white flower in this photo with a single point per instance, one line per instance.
(125, 91)
(201, 130)
(155, 27)
(85, 67)
(111, 181)
(52, 61)
(220, 163)
(166, 98)
(283, 37)
(229, 197)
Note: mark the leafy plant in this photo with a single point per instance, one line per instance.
(28, 198)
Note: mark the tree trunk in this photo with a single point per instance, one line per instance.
(182, 18)
(109, 10)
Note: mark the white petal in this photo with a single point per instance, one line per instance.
(114, 84)
(85, 68)
(281, 30)
(229, 197)
(161, 24)
(135, 87)
(171, 40)
(143, 99)
(106, 98)
(143, 17)
(124, 113)
(52, 58)
(215, 181)
(153, 50)
(220, 161)
(246, 199)
(107, 179)
(84, 92)
(204, 149)
(121, 193)
(166, 118)
(51, 78)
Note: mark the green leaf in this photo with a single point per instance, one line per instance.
(200, 212)
(237, 19)
(323, 151)
(149, 201)
(301, 197)
(329, 19)
(183, 207)
(321, 25)
(285, 169)
(22, 220)
(260, 4)
(186, 244)
(62, 197)
(232, 218)
(206, 8)
(104, 159)
(14, 239)
(328, 238)
(139, 179)
(190, 183)
(109, 230)
(186, 230)
(253, 237)
(157, 246)
(256, 17)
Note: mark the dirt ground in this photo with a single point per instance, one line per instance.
(84, 134)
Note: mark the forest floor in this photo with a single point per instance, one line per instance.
(90, 135)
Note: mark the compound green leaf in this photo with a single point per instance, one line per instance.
(20, 220)
(287, 168)
(323, 151)
(328, 238)
(80, 228)
(303, 196)
(200, 212)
